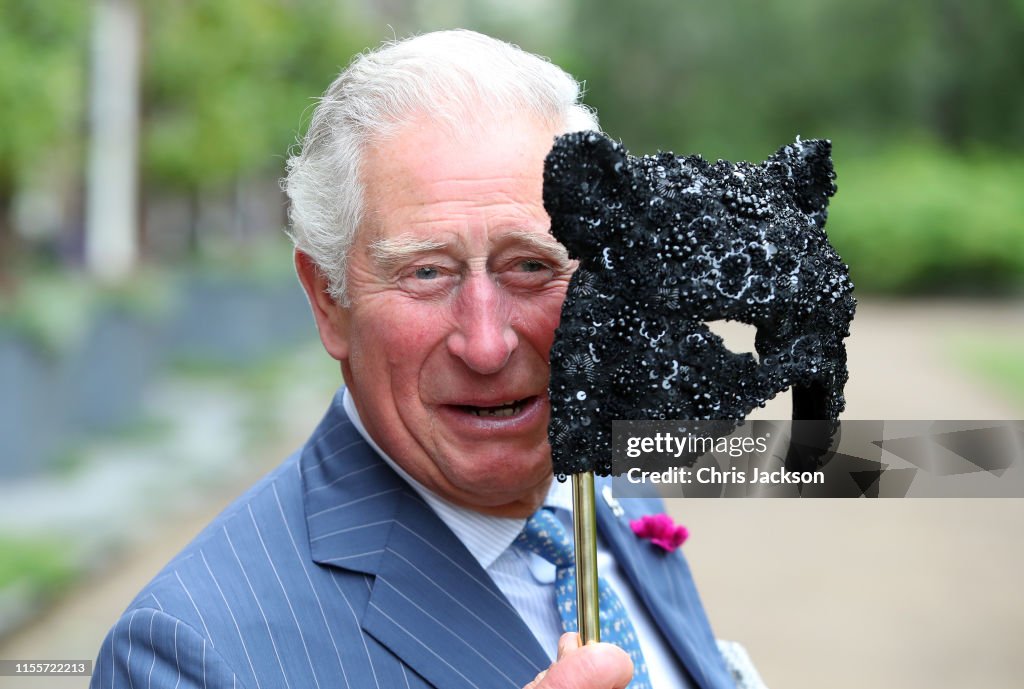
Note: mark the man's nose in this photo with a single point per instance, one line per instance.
(484, 338)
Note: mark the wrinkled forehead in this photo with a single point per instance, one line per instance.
(489, 164)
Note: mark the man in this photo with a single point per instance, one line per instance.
(384, 553)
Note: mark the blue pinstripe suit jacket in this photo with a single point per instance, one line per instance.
(332, 572)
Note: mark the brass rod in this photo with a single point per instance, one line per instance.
(584, 521)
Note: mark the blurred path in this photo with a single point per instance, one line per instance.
(902, 363)
(902, 360)
(849, 594)
(911, 593)
(75, 626)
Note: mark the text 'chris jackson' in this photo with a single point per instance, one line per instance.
(716, 476)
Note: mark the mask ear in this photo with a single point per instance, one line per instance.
(586, 175)
(332, 319)
(809, 163)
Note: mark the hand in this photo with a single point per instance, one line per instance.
(594, 666)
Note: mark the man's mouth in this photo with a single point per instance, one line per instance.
(488, 418)
(505, 409)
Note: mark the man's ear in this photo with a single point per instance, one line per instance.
(332, 319)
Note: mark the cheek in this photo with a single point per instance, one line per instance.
(396, 337)
(539, 318)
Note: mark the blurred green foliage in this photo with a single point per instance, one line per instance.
(42, 57)
(42, 51)
(733, 78)
(54, 309)
(924, 100)
(51, 312)
(227, 83)
(43, 565)
(917, 218)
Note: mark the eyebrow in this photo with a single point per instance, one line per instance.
(541, 243)
(396, 251)
(393, 252)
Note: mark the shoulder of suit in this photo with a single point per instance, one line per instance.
(280, 489)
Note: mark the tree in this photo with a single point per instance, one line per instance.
(112, 222)
(42, 51)
(738, 78)
(227, 82)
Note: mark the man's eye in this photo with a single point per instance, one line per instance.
(531, 266)
(426, 273)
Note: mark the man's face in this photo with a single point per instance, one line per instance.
(455, 288)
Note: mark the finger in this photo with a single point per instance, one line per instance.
(568, 642)
(536, 680)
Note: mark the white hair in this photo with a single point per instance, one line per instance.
(455, 78)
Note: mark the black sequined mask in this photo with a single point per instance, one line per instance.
(667, 244)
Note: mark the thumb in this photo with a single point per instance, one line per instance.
(594, 666)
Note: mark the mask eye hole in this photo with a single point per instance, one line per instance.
(739, 339)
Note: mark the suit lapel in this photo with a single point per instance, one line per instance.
(665, 585)
(435, 607)
(432, 605)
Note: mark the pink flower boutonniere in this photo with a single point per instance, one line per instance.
(660, 530)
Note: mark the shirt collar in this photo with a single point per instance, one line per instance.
(559, 496)
(485, 537)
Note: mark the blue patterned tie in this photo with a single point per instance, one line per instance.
(544, 535)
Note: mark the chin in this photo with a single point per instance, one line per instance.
(507, 473)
